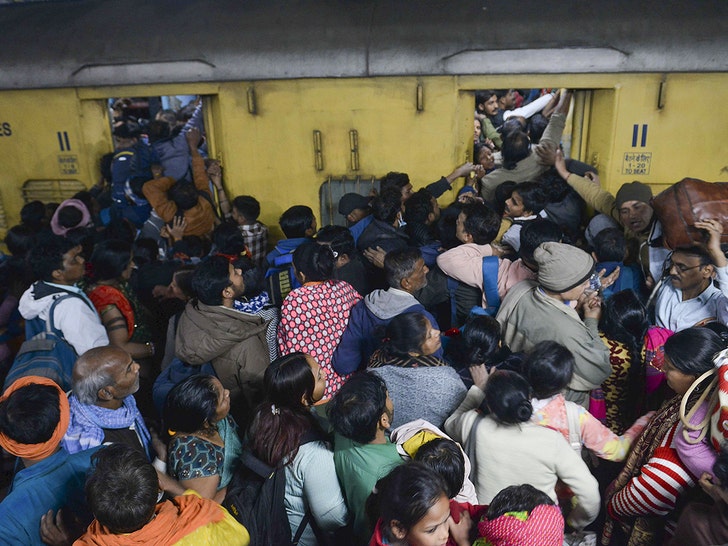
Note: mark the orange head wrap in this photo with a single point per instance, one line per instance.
(36, 452)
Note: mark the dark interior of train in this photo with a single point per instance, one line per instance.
(138, 112)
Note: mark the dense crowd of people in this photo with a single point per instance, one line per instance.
(528, 365)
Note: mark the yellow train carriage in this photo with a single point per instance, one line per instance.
(309, 107)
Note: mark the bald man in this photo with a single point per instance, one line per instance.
(103, 409)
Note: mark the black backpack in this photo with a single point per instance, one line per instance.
(256, 498)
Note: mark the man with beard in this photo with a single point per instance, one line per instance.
(630, 208)
(211, 330)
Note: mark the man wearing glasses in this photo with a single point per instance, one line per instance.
(688, 296)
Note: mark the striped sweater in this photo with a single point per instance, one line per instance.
(655, 491)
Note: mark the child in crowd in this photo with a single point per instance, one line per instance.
(422, 441)
(411, 508)
(522, 515)
(246, 210)
(525, 204)
(549, 367)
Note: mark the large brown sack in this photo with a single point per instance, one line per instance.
(686, 202)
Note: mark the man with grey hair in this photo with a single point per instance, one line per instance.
(406, 273)
(103, 409)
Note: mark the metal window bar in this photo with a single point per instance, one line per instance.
(332, 190)
(51, 191)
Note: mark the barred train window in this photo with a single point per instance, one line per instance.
(334, 187)
(51, 191)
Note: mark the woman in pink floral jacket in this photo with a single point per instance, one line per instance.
(314, 316)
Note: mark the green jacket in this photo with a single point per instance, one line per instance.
(359, 467)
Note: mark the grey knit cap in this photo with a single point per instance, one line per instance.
(562, 267)
(633, 191)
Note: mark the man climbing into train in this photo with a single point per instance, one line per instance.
(630, 208)
(131, 166)
(521, 162)
(172, 198)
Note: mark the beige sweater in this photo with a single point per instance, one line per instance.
(527, 453)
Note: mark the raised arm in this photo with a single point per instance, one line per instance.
(196, 119)
(436, 189)
(531, 108)
(588, 188)
(199, 174)
(214, 171)
(551, 106)
(555, 128)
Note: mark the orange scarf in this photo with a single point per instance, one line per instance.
(37, 452)
(173, 521)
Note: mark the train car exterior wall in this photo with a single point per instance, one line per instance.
(651, 127)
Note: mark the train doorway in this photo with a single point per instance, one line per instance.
(587, 129)
(159, 121)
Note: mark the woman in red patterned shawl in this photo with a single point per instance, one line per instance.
(314, 316)
(122, 315)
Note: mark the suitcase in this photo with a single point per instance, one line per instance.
(686, 202)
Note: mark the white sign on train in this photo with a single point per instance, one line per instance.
(637, 163)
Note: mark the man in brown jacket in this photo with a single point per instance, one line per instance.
(210, 330)
(169, 197)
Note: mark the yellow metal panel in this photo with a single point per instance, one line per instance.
(271, 154)
(96, 135)
(163, 90)
(46, 142)
(601, 122)
(686, 138)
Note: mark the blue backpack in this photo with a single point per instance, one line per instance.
(490, 290)
(135, 161)
(45, 352)
(172, 375)
(280, 279)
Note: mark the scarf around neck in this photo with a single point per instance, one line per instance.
(85, 429)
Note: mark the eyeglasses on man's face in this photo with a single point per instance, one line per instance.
(681, 268)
